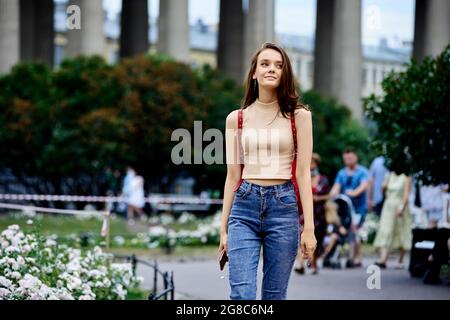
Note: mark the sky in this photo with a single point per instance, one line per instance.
(380, 18)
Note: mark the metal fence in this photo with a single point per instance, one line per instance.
(168, 292)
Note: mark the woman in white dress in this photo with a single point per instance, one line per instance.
(136, 200)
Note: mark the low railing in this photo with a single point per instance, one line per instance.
(168, 292)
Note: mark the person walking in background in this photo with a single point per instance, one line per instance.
(133, 191)
(395, 223)
(377, 173)
(320, 189)
(129, 176)
(352, 180)
(433, 200)
(136, 200)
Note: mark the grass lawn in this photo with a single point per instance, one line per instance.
(65, 225)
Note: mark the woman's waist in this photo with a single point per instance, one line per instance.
(256, 186)
(267, 182)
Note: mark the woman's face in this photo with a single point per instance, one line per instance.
(269, 69)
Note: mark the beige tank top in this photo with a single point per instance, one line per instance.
(267, 142)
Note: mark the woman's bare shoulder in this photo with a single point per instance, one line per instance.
(232, 119)
(302, 115)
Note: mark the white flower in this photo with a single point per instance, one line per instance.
(11, 249)
(97, 251)
(26, 249)
(5, 282)
(4, 244)
(73, 265)
(79, 271)
(15, 275)
(30, 260)
(14, 227)
(48, 252)
(4, 293)
(186, 217)
(50, 242)
(29, 282)
(35, 270)
(157, 231)
(63, 294)
(20, 260)
(120, 291)
(29, 222)
(166, 219)
(106, 282)
(95, 274)
(153, 245)
(47, 270)
(73, 283)
(118, 240)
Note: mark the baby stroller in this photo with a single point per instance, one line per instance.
(340, 232)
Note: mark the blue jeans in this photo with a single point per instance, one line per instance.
(266, 216)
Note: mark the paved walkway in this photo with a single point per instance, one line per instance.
(202, 279)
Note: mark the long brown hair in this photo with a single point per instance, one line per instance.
(287, 96)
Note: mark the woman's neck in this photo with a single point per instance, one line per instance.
(266, 96)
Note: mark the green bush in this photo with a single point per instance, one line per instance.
(412, 118)
(334, 130)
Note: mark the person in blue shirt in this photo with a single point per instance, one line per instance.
(353, 181)
(377, 172)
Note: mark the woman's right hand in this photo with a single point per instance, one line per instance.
(223, 242)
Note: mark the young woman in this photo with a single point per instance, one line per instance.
(395, 222)
(260, 205)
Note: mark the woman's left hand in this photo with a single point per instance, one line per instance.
(308, 244)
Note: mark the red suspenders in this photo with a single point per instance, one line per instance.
(294, 162)
(294, 167)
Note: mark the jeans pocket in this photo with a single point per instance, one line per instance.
(242, 192)
(287, 199)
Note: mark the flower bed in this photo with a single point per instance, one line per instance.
(34, 267)
(165, 231)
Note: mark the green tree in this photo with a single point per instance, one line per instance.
(334, 129)
(25, 100)
(412, 118)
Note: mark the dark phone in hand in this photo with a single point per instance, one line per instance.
(223, 259)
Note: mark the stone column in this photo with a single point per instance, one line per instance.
(173, 29)
(323, 46)
(45, 36)
(90, 39)
(338, 52)
(9, 34)
(259, 27)
(431, 27)
(36, 30)
(134, 28)
(346, 75)
(230, 46)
